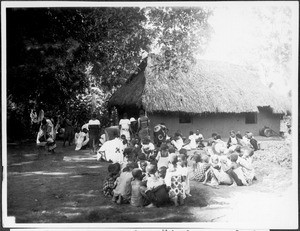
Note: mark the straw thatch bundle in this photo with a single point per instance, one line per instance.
(207, 87)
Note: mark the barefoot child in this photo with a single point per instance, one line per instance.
(123, 185)
(163, 156)
(182, 166)
(109, 183)
(137, 198)
(174, 181)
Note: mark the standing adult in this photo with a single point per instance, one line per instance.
(133, 127)
(124, 125)
(69, 131)
(160, 134)
(45, 135)
(94, 132)
(143, 125)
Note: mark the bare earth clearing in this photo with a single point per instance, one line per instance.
(65, 187)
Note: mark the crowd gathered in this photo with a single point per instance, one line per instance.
(145, 171)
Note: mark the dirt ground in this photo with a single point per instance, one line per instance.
(65, 187)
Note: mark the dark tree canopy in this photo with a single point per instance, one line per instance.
(56, 54)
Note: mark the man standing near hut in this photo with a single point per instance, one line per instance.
(143, 125)
(94, 132)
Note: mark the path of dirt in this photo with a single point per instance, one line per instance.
(66, 187)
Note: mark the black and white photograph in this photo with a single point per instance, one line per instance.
(149, 115)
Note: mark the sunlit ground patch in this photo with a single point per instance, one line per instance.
(30, 155)
(94, 166)
(75, 176)
(21, 163)
(78, 158)
(39, 173)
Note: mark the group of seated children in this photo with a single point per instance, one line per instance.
(235, 141)
(148, 179)
(194, 140)
(234, 168)
(143, 175)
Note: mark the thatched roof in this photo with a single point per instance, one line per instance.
(208, 87)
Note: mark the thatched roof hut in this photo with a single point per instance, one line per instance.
(207, 87)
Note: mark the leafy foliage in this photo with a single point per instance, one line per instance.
(55, 55)
(178, 34)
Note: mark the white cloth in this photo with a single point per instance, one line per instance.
(239, 172)
(85, 126)
(185, 172)
(146, 148)
(154, 181)
(112, 150)
(50, 132)
(198, 136)
(246, 141)
(81, 139)
(178, 143)
(233, 141)
(192, 143)
(125, 125)
(132, 119)
(220, 146)
(162, 161)
(247, 168)
(94, 122)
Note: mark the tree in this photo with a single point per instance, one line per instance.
(275, 50)
(54, 55)
(178, 34)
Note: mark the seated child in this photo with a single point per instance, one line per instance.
(239, 135)
(183, 151)
(128, 157)
(192, 138)
(253, 142)
(213, 139)
(153, 179)
(109, 183)
(124, 141)
(200, 169)
(123, 185)
(219, 145)
(245, 161)
(235, 171)
(147, 147)
(221, 176)
(174, 182)
(199, 139)
(137, 198)
(136, 151)
(162, 172)
(163, 156)
(155, 191)
(232, 141)
(177, 142)
(172, 152)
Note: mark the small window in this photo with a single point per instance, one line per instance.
(184, 118)
(251, 118)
